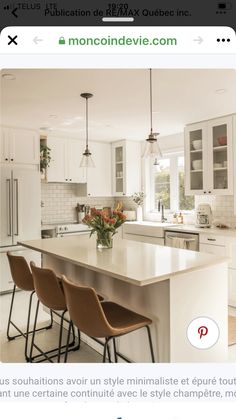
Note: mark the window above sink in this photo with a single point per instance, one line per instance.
(167, 183)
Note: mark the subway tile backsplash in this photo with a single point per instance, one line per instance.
(58, 201)
(222, 208)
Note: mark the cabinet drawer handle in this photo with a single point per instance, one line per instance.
(211, 240)
(6, 159)
(12, 159)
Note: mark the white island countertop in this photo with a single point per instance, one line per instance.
(133, 262)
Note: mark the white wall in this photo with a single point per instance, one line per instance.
(172, 142)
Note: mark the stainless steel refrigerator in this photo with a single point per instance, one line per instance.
(20, 217)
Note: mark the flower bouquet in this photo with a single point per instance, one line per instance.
(105, 224)
(138, 198)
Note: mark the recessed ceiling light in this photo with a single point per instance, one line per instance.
(67, 123)
(45, 128)
(8, 76)
(220, 91)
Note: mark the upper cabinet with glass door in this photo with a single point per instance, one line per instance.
(209, 157)
(126, 167)
(195, 151)
(119, 169)
(220, 135)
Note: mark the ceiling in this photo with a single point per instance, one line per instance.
(50, 99)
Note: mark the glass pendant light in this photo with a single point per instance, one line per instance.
(157, 167)
(87, 160)
(152, 148)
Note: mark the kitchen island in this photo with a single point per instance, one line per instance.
(171, 286)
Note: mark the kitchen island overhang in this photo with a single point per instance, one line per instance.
(172, 286)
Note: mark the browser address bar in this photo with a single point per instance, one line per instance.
(118, 40)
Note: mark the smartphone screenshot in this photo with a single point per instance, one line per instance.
(118, 209)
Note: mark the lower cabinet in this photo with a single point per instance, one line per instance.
(232, 287)
(215, 250)
(6, 282)
(144, 239)
(227, 249)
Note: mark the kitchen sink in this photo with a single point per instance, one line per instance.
(146, 228)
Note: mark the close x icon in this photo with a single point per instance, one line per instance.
(12, 40)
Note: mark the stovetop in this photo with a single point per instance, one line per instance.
(71, 228)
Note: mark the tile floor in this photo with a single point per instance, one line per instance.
(13, 351)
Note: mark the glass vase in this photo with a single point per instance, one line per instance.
(139, 213)
(104, 240)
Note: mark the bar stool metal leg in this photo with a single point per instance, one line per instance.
(27, 332)
(60, 336)
(106, 350)
(114, 346)
(27, 328)
(9, 318)
(34, 328)
(55, 352)
(150, 343)
(67, 342)
(11, 323)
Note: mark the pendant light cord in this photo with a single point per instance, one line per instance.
(86, 123)
(151, 98)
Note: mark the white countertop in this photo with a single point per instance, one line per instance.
(134, 262)
(190, 228)
(48, 227)
(212, 230)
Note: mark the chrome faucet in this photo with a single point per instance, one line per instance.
(163, 219)
(162, 209)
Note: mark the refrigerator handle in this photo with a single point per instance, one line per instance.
(9, 209)
(17, 206)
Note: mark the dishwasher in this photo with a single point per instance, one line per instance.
(189, 241)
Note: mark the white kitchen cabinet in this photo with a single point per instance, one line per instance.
(126, 168)
(56, 171)
(223, 246)
(99, 177)
(66, 155)
(214, 244)
(74, 151)
(209, 157)
(215, 250)
(6, 282)
(19, 146)
(234, 160)
(231, 253)
(232, 287)
(144, 239)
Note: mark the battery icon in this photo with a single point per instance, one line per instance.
(224, 6)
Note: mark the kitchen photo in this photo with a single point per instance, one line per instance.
(118, 215)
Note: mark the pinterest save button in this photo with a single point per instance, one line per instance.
(203, 332)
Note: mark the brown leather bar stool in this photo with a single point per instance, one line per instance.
(103, 319)
(22, 278)
(50, 293)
